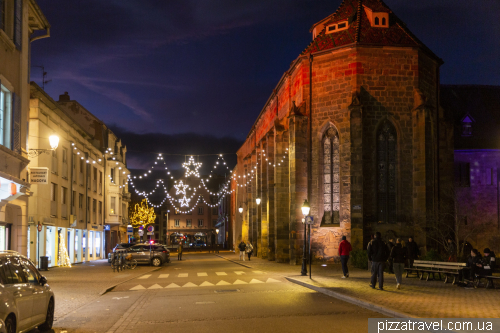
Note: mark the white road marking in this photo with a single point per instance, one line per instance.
(256, 281)
(206, 284)
(117, 298)
(183, 275)
(239, 272)
(202, 274)
(240, 282)
(223, 283)
(144, 277)
(189, 284)
(221, 273)
(172, 285)
(155, 286)
(205, 302)
(163, 276)
(138, 287)
(258, 272)
(271, 280)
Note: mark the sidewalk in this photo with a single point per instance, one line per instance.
(416, 298)
(80, 284)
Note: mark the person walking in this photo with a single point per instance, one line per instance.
(413, 251)
(242, 246)
(344, 249)
(179, 250)
(389, 260)
(378, 252)
(249, 250)
(398, 258)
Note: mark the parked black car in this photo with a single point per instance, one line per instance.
(153, 254)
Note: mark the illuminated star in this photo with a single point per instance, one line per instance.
(184, 202)
(181, 188)
(191, 167)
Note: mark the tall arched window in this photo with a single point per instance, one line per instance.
(386, 168)
(331, 185)
(383, 20)
(376, 21)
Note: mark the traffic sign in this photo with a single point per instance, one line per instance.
(39, 227)
(309, 219)
(130, 228)
(151, 229)
(150, 233)
(141, 227)
(141, 232)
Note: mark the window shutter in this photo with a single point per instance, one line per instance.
(16, 124)
(18, 23)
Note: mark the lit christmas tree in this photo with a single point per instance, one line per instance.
(63, 253)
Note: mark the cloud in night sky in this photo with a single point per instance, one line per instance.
(207, 67)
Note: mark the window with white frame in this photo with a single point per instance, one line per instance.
(112, 209)
(188, 223)
(5, 116)
(200, 210)
(200, 223)
(177, 223)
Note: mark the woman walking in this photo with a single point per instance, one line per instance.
(249, 250)
(398, 256)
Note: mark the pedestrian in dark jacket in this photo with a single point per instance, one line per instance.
(179, 250)
(398, 256)
(413, 251)
(473, 262)
(344, 249)
(242, 246)
(390, 244)
(487, 264)
(378, 252)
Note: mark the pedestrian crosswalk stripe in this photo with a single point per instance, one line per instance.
(240, 282)
(221, 273)
(239, 272)
(138, 287)
(183, 275)
(202, 274)
(163, 276)
(256, 281)
(155, 286)
(145, 276)
(189, 284)
(172, 285)
(258, 272)
(206, 284)
(222, 283)
(271, 280)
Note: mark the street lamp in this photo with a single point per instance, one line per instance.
(257, 201)
(306, 208)
(54, 143)
(240, 209)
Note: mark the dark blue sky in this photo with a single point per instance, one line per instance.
(207, 67)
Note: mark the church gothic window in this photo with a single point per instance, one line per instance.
(386, 169)
(331, 184)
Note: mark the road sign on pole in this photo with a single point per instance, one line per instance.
(151, 229)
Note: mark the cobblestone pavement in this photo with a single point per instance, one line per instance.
(80, 284)
(416, 298)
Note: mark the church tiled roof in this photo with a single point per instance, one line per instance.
(360, 30)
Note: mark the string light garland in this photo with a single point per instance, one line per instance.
(191, 167)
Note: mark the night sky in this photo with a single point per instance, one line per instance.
(191, 76)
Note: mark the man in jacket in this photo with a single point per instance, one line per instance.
(242, 246)
(344, 249)
(390, 245)
(398, 256)
(378, 252)
(413, 251)
(487, 263)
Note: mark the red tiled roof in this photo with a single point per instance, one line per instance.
(360, 30)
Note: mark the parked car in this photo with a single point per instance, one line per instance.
(152, 254)
(120, 248)
(26, 300)
(198, 244)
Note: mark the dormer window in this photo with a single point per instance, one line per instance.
(467, 121)
(377, 19)
(339, 26)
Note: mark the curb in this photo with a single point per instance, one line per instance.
(135, 277)
(235, 262)
(352, 300)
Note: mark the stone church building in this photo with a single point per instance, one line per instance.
(354, 126)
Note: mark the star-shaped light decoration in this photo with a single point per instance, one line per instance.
(184, 201)
(191, 167)
(180, 188)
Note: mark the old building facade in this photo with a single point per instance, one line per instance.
(355, 127)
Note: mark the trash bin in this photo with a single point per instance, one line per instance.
(44, 263)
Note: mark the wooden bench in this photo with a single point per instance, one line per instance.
(489, 278)
(433, 268)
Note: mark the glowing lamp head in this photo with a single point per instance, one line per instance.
(306, 208)
(257, 201)
(240, 209)
(54, 141)
(217, 231)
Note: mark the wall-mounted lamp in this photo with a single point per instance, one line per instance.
(54, 143)
(257, 201)
(240, 209)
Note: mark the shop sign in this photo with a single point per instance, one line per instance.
(94, 227)
(39, 175)
(107, 227)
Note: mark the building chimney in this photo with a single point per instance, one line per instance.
(64, 98)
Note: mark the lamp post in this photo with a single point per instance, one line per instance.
(240, 209)
(217, 240)
(306, 208)
(54, 143)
